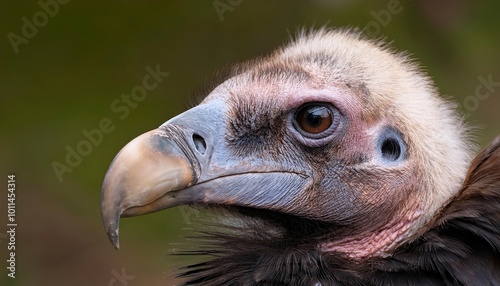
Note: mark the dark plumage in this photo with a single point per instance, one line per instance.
(337, 163)
(461, 247)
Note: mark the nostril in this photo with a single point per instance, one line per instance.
(199, 143)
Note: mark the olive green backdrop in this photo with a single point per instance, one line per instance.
(65, 65)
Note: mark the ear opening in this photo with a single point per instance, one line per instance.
(391, 146)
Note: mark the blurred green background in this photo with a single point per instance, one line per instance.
(62, 79)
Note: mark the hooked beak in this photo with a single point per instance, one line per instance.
(148, 168)
(187, 161)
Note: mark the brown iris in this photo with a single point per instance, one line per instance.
(314, 119)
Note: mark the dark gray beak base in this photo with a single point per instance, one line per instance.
(188, 161)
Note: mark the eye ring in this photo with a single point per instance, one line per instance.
(316, 120)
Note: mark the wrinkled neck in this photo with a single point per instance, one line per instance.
(376, 243)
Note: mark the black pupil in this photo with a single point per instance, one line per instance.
(315, 115)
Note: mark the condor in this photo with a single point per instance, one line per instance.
(340, 163)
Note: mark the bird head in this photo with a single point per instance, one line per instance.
(332, 129)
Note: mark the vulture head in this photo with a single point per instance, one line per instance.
(339, 161)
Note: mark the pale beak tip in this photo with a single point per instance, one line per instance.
(112, 231)
(115, 241)
(111, 220)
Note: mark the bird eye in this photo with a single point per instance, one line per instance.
(314, 119)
